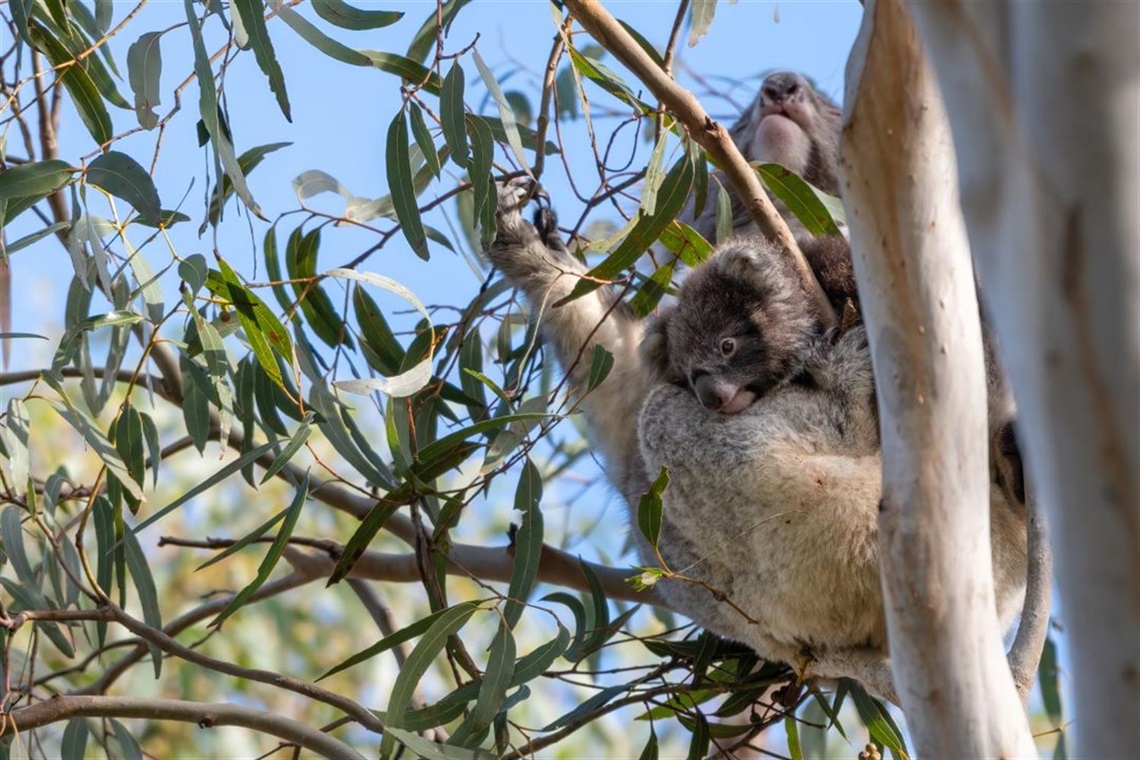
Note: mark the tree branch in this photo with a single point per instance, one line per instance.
(912, 261)
(205, 714)
(712, 136)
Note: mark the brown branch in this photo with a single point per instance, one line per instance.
(713, 137)
(362, 715)
(205, 714)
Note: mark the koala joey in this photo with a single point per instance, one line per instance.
(742, 324)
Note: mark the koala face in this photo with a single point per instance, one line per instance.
(742, 325)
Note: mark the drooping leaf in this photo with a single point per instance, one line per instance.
(74, 738)
(78, 82)
(419, 660)
(451, 115)
(262, 328)
(276, 549)
(424, 139)
(649, 508)
(340, 13)
(527, 542)
(320, 40)
(493, 690)
(125, 178)
(254, 23)
(505, 111)
(98, 442)
(400, 183)
(146, 592)
(208, 110)
(877, 719)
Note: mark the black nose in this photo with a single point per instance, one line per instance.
(781, 85)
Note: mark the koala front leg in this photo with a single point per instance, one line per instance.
(536, 261)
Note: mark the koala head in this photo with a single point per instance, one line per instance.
(742, 325)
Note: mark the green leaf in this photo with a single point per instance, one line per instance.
(250, 12)
(122, 176)
(340, 13)
(699, 743)
(430, 750)
(400, 184)
(129, 442)
(877, 719)
(21, 10)
(407, 633)
(792, 731)
(262, 328)
(36, 180)
(650, 750)
(479, 170)
(493, 690)
(1047, 673)
(98, 442)
(34, 237)
(505, 111)
(649, 508)
(208, 109)
(80, 86)
(244, 541)
(601, 362)
(301, 265)
(358, 542)
(451, 115)
(74, 738)
(12, 531)
(590, 705)
(146, 591)
(803, 200)
(420, 659)
(294, 445)
(207, 484)
(127, 744)
(607, 80)
(320, 40)
(427, 34)
(410, 71)
(671, 199)
(700, 18)
(686, 243)
(527, 542)
(16, 440)
(424, 138)
(292, 513)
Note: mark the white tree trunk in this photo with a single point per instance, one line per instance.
(1045, 100)
(917, 288)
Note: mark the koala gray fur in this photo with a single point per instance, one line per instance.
(775, 507)
(740, 327)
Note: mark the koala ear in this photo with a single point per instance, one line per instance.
(654, 349)
(745, 260)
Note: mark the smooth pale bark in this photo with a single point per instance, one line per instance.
(1045, 99)
(916, 283)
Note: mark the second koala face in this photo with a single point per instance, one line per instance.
(742, 325)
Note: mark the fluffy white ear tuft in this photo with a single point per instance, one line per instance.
(743, 260)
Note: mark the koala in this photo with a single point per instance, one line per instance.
(742, 323)
(788, 123)
(773, 508)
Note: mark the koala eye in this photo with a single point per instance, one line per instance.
(727, 347)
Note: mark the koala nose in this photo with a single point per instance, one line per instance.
(712, 393)
(780, 86)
